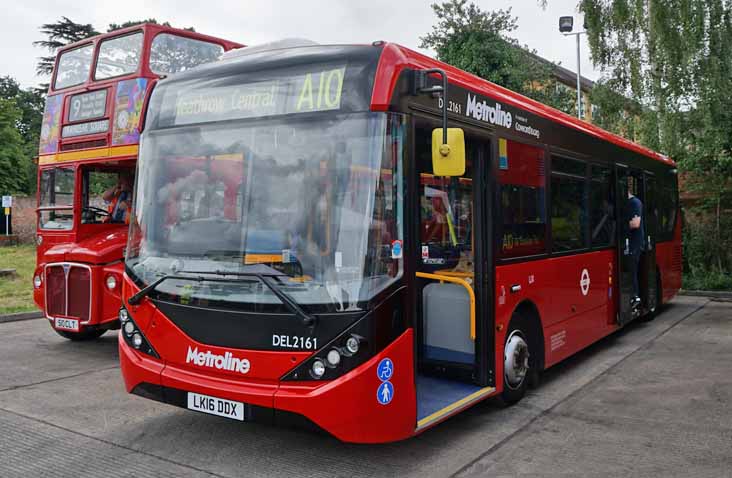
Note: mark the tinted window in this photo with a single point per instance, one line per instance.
(602, 207)
(173, 53)
(522, 179)
(667, 205)
(74, 66)
(569, 204)
(119, 56)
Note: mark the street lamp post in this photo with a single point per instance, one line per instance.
(566, 25)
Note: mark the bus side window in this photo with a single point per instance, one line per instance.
(521, 176)
(569, 204)
(602, 207)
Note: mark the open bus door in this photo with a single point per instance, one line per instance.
(454, 278)
(649, 281)
(624, 266)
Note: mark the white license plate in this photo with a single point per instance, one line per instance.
(66, 324)
(216, 406)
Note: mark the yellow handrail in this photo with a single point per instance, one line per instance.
(461, 282)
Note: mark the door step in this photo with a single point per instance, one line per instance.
(437, 399)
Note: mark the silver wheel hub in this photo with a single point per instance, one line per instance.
(515, 360)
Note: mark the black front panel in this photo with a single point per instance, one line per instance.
(256, 331)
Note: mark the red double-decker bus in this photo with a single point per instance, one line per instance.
(311, 243)
(89, 143)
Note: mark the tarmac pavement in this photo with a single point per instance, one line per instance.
(651, 400)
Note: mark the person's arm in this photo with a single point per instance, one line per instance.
(636, 213)
(109, 194)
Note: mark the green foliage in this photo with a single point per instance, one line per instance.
(707, 253)
(30, 103)
(131, 23)
(673, 57)
(13, 170)
(479, 42)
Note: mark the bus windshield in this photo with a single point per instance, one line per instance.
(56, 198)
(313, 202)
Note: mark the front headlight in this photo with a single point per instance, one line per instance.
(111, 282)
(37, 281)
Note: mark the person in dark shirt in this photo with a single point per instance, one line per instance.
(635, 236)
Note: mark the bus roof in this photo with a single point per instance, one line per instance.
(392, 60)
(153, 28)
(395, 58)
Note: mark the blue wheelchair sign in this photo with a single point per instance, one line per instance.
(385, 369)
(385, 393)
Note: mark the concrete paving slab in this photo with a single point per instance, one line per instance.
(662, 411)
(32, 352)
(84, 396)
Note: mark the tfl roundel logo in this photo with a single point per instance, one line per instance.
(585, 282)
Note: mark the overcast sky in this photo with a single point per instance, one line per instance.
(257, 21)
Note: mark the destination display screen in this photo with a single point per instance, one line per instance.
(88, 105)
(319, 89)
(81, 129)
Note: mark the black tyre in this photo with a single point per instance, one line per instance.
(517, 361)
(88, 334)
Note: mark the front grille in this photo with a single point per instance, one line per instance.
(68, 291)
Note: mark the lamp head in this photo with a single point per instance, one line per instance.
(566, 24)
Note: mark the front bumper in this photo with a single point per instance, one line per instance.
(347, 407)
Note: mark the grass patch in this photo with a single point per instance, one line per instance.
(16, 295)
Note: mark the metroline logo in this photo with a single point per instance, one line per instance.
(482, 111)
(221, 362)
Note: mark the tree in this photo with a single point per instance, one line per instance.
(13, 172)
(59, 34)
(30, 104)
(673, 57)
(131, 23)
(479, 42)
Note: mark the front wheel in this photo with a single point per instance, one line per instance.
(516, 364)
(88, 334)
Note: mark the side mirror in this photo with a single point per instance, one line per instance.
(448, 158)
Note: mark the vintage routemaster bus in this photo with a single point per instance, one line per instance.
(309, 244)
(88, 149)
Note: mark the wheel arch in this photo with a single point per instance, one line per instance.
(528, 310)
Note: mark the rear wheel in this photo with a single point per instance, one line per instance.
(516, 361)
(87, 334)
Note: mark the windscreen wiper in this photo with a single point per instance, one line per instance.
(145, 291)
(264, 278)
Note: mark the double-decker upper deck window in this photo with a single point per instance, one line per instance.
(119, 56)
(172, 53)
(73, 67)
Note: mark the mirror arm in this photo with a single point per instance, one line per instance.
(422, 80)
